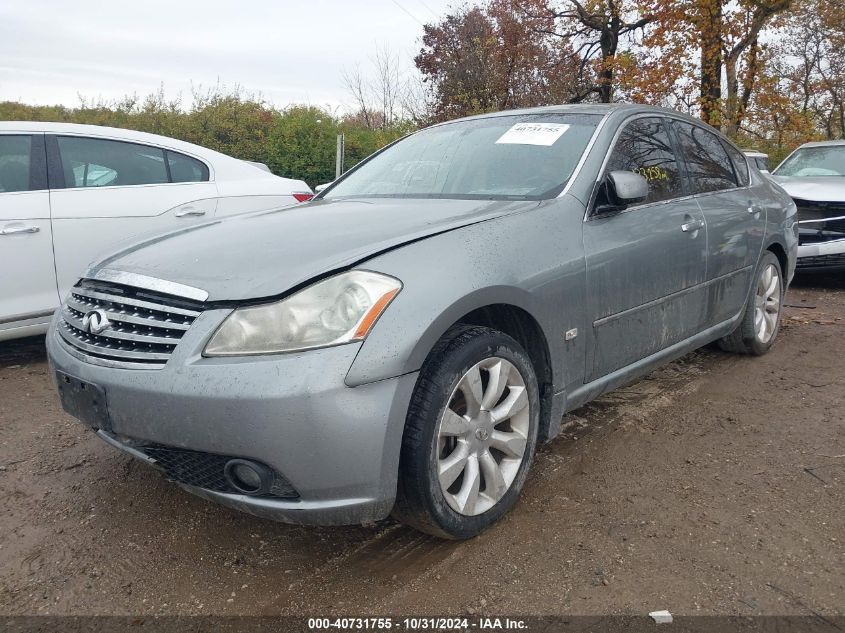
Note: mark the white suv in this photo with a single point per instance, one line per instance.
(70, 193)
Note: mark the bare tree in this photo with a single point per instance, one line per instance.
(596, 28)
(379, 96)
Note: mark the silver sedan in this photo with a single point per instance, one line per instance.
(404, 342)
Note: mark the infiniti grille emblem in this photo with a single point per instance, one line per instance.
(95, 321)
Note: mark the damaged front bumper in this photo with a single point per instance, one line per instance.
(331, 451)
(821, 234)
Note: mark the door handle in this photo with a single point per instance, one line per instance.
(15, 230)
(692, 226)
(189, 211)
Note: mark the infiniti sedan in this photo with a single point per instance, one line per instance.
(404, 342)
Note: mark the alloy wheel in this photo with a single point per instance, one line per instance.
(767, 303)
(482, 436)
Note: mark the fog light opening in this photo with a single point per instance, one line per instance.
(248, 478)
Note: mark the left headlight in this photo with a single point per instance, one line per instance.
(334, 311)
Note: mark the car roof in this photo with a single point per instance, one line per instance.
(108, 132)
(583, 108)
(824, 143)
(603, 109)
(754, 153)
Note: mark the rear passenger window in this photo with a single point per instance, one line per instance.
(186, 169)
(739, 162)
(644, 147)
(92, 162)
(709, 167)
(15, 160)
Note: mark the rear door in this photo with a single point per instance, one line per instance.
(646, 264)
(735, 221)
(108, 193)
(27, 274)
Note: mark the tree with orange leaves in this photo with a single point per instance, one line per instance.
(492, 57)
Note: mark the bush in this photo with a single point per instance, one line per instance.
(297, 142)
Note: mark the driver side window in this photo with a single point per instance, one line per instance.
(644, 147)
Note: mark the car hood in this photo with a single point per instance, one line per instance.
(815, 188)
(266, 254)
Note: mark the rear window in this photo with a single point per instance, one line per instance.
(502, 157)
(708, 164)
(186, 169)
(740, 163)
(92, 162)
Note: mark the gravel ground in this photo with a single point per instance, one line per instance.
(714, 486)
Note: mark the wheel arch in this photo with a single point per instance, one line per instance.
(780, 252)
(420, 325)
(521, 326)
(507, 309)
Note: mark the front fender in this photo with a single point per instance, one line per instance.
(407, 333)
(533, 261)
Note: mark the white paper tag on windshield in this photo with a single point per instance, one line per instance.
(533, 134)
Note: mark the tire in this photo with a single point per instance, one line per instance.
(442, 431)
(748, 337)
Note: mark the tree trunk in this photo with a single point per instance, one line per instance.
(735, 104)
(710, 28)
(609, 44)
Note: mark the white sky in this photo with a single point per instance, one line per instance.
(288, 51)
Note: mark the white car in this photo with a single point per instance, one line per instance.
(814, 175)
(758, 159)
(69, 193)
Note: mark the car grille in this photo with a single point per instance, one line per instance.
(837, 259)
(144, 327)
(820, 221)
(205, 470)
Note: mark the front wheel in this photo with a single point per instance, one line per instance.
(760, 324)
(470, 434)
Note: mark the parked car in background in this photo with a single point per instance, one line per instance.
(406, 340)
(69, 193)
(758, 159)
(814, 175)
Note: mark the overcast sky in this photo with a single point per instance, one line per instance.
(289, 51)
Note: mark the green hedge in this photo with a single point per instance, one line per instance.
(297, 142)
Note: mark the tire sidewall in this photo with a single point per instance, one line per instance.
(449, 372)
(756, 346)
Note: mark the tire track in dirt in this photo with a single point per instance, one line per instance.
(398, 561)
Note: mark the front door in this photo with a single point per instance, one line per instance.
(646, 264)
(27, 274)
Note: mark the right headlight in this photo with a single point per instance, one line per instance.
(334, 311)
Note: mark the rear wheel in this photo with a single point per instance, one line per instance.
(760, 324)
(470, 434)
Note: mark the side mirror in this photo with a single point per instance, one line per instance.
(626, 188)
(321, 188)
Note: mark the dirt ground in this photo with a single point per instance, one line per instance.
(715, 486)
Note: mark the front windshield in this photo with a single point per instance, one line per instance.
(508, 157)
(814, 161)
